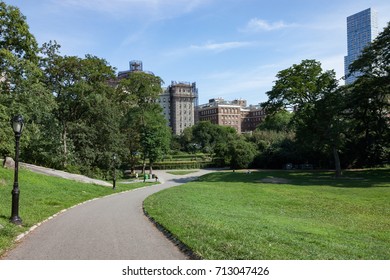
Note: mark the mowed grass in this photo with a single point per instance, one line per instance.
(310, 215)
(41, 197)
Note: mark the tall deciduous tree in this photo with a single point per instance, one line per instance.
(87, 113)
(145, 121)
(299, 86)
(15, 36)
(305, 87)
(208, 136)
(279, 121)
(21, 88)
(155, 136)
(369, 102)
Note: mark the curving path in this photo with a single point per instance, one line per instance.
(110, 228)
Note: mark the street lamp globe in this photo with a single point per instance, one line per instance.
(17, 124)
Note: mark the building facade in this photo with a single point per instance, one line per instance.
(234, 113)
(362, 29)
(251, 117)
(221, 112)
(178, 102)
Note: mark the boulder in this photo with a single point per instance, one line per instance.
(9, 163)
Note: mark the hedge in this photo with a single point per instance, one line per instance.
(181, 165)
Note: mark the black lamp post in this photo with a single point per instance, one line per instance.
(17, 125)
(113, 171)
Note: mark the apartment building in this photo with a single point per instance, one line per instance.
(362, 29)
(178, 101)
(234, 113)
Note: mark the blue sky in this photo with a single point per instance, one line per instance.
(230, 48)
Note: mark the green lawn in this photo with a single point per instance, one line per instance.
(41, 197)
(308, 215)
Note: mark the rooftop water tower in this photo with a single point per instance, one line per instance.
(135, 65)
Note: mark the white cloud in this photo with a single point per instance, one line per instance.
(220, 47)
(207, 47)
(257, 25)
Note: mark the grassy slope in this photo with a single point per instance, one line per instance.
(313, 216)
(41, 197)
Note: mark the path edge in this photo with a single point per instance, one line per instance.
(22, 235)
(184, 248)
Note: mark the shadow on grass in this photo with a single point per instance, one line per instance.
(185, 180)
(351, 179)
(4, 217)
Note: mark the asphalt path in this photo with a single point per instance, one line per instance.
(63, 174)
(109, 228)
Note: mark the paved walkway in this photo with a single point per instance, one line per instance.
(63, 174)
(110, 228)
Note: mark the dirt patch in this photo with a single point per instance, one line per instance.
(2, 183)
(275, 180)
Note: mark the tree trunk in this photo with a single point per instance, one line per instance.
(64, 135)
(337, 162)
(150, 168)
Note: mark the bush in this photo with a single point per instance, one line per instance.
(181, 165)
(75, 169)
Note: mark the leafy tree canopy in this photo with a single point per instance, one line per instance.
(300, 85)
(15, 36)
(278, 121)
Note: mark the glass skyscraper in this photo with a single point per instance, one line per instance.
(362, 28)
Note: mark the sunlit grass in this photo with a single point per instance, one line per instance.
(310, 216)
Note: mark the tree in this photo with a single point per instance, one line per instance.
(62, 75)
(275, 148)
(299, 86)
(15, 36)
(242, 153)
(145, 121)
(369, 103)
(278, 121)
(139, 89)
(305, 87)
(322, 127)
(155, 136)
(208, 136)
(130, 128)
(212, 139)
(21, 88)
(86, 116)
